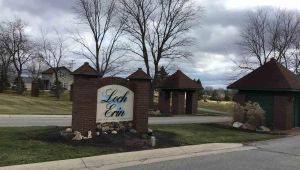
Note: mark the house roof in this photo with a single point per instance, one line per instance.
(179, 81)
(139, 74)
(270, 76)
(86, 69)
(51, 71)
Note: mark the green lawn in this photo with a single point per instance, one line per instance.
(46, 104)
(219, 106)
(26, 145)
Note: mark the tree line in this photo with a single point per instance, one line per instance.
(154, 31)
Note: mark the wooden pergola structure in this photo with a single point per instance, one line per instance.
(178, 94)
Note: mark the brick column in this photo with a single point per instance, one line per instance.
(191, 102)
(84, 99)
(141, 100)
(35, 89)
(164, 102)
(283, 112)
(178, 101)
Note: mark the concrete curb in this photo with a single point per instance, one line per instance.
(119, 160)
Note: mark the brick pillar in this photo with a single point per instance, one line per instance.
(141, 100)
(178, 100)
(35, 89)
(84, 99)
(164, 102)
(191, 102)
(283, 116)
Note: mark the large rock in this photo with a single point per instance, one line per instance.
(105, 128)
(68, 130)
(77, 136)
(263, 129)
(237, 124)
(248, 126)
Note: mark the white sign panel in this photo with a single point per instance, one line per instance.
(114, 104)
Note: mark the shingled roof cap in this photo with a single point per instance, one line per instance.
(86, 69)
(270, 76)
(179, 80)
(139, 75)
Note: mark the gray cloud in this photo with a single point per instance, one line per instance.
(215, 37)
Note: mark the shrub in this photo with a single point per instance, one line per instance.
(255, 114)
(238, 113)
(251, 113)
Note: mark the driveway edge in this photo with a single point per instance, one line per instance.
(113, 161)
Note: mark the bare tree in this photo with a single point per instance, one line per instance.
(159, 29)
(136, 17)
(101, 19)
(53, 52)
(18, 46)
(269, 34)
(5, 63)
(168, 29)
(35, 67)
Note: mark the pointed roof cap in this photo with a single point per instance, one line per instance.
(271, 76)
(179, 81)
(51, 70)
(139, 75)
(86, 69)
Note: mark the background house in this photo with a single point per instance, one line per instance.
(65, 77)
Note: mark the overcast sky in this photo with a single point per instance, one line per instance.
(215, 38)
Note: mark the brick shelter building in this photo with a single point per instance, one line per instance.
(276, 89)
(178, 94)
(84, 94)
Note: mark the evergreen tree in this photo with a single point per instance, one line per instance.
(162, 75)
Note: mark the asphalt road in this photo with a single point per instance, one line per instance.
(282, 154)
(58, 120)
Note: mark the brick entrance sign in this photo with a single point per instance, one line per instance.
(111, 99)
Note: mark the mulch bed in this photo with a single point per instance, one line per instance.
(125, 141)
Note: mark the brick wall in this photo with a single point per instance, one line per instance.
(84, 96)
(191, 102)
(178, 101)
(164, 102)
(283, 112)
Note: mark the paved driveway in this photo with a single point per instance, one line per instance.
(58, 120)
(282, 154)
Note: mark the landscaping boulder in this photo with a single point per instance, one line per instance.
(114, 132)
(248, 126)
(263, 129)
(105, 128)
(237, 125)
(69, 130)
(77, 136)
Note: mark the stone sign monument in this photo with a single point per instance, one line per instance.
(108, 100)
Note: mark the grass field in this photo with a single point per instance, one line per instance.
(219, 106)
(46, 104)
(26, 145)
